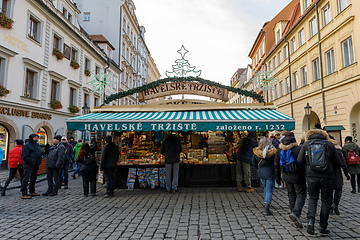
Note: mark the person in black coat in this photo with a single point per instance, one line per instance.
(244, 157)
(31, 154)
(109, 157)
(319, 181)
(294, 178)
(171, 148)
(338, 178)
(88, 169)
(54, 163)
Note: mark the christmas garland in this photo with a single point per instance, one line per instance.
(159, 82)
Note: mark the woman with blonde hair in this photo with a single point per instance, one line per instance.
(263, 160)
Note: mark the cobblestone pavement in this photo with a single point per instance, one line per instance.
(194, 213)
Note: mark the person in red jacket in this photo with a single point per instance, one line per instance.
(15, 163)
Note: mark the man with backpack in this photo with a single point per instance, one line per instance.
(293, 174)
(109, 157)
(321, 159)
(351, 153)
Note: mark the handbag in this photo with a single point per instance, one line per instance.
(19, 166)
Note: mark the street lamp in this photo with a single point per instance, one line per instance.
(86, 109)
(308, 113)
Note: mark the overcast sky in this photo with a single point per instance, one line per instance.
(217, 33)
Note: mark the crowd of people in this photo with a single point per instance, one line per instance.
(314, 167)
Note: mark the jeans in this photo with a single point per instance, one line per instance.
(352, 180)
(12, 175)
(53, 179)
(89, 177)
(77, 170)
(174, 168)
(243, 169)
(269, 185)
(336, 196)
(297, 196)
(64, 177)
(109, 180)
(325, 186)
(30, 173)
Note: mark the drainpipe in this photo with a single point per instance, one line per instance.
(291, 97)
(320, 58)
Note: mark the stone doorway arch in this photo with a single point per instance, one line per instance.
(314, 118)
(355, 123)
(48, 128)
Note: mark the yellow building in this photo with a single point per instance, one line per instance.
(315, 61)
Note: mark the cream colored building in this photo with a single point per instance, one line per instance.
(153, 75)
(237, 81)
(321, 67)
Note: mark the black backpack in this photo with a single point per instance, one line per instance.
(89, 159)
(316, 155)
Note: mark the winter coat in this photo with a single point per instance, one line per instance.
(31, 153)
(331, 155)
(245, 150)
(68, 152)
(56, 156)
(298, 176)
(171, 148)
(265, 166)
(109, 156)
(73, 143)
(77, 150)
(353, 169)
(85, 166)
(338, 177)
(275, 143)
(15, 157)
(93, 146)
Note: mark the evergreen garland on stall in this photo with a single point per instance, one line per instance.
(159, 82)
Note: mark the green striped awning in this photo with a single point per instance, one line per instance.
(214, 120)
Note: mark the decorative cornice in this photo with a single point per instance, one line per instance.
(74, 83)
(33, 63)
(8, 52)
(57, 75)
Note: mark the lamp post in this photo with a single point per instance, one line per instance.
(85, 109)
(308, 113)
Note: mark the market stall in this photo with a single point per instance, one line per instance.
(208, 131)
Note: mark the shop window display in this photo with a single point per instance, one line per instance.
(4, 136)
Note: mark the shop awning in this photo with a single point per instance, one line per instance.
(213, 120)
(334, 128)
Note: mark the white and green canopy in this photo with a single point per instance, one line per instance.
(192, 120)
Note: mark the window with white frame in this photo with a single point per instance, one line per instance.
(278, 36)
(256, 59)
(55, 90)
(72, 101)
(263, 47)
(276, 91)
(313, 27)
(348, 55)
(279, 58)
(274, 62)
(303, 71)
(86, 16)
(293, 45)
(74, 54)
(57, 42)
(281, 88)
(301, 37)
(287, 82)
(260, 54)
(269, 65)
(2, 70)
(271, 95)
(87, 64)
(295, 81)
(326, 15)
(343, 4)
(330, 61)
(31, 78)
(306, 3)
(96, 102)
(316, 69)
(34, 28)
(5, 7)
(286, 52)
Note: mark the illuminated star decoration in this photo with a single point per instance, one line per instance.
(182, 67)
(264, 80)
(100, 82)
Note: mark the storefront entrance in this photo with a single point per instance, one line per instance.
(4, 144)
(355, 122)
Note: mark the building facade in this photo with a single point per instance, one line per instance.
(236, 81)
(45, 59)
(153, 75)
(117, 21)
(321, 68)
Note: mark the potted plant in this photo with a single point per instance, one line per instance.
(3, 91)
(87, 72)
(74, 64)
(55, 104)
(58, 54)
(5, 21)
(74, 109)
